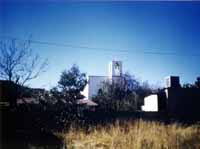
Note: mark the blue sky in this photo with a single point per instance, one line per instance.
(136, 27)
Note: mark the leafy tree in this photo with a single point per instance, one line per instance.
(126, 94)
(143, 90)
(71, 83)
(64, 96)
(195, 85)
(119, 95)
(18, 63)
(188, 85)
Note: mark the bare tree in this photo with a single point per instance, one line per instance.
(18, 63)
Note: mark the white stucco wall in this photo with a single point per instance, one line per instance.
(85, 92)
(94, 84)
(150, 103)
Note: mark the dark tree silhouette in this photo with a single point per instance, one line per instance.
(18, 63)
(197, 83)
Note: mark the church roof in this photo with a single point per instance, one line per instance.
(86, 102)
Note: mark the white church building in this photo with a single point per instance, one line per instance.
(96, 82)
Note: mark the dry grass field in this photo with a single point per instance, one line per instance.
(134, 135)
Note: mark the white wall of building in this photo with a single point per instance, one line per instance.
(94, 84)
(150, 103)
(85, 92)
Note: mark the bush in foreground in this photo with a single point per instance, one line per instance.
(134, 135)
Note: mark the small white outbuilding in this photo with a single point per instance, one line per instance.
(150, 103)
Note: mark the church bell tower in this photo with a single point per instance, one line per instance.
(115, 69)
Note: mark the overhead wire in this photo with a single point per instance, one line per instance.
(149, 52)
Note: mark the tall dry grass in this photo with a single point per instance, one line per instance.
(134, 135)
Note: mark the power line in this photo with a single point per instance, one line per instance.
(150, 52)
(66, 45)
